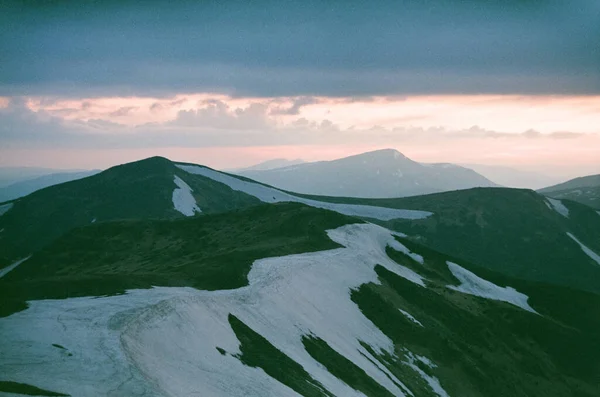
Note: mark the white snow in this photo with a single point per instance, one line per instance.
(474, 285)
(272, 195)
(183, 201)
(398, 246)
(8, 268)
(585, 249)
(94, 220)
(598, 212)
(559, 207)
(432, 381)
(5, 207)
(164, 340)
(410, 317)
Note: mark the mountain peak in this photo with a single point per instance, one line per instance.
(382, 154)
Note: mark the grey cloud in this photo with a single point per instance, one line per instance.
(123, 111)
(334, 48)
(297, 104)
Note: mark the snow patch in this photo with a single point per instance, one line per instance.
(5, 207)
(474, 285)
(410, 317)
(11, 267)
(183, 201)
(559, 207)
(432, 381)
(398, 246)
(585, 249)
(271, 195)
(94, 220)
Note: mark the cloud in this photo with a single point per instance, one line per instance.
(217, 124)
(296, 49)
(217, 114)
(294, 108)
(123, 111)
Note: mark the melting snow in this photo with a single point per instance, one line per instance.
(398, 246)
(475, 285)
(410, 317)
(585, 249)
(170, 335)
(5, 207)
(272, 195)
(432, 381)
(183, 201)
(559, 207)
(11, 267)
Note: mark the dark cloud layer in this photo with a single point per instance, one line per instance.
(334, 48)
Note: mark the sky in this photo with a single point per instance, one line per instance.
(91, 84)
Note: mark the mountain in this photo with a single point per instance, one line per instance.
(585, 189)
(287, 300)
(516, 232)
(10, 175)
(149, 189)
(382, 173)
(271, 164)
(23, 188)
(512, 177)
(159, 278)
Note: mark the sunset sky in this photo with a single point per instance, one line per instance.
(229, 84)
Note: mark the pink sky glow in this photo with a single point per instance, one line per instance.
(521, 131)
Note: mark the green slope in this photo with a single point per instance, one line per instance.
(585, 190)
(511, 231)
(139, 190)
(205, 252)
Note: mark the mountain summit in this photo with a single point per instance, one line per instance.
(382, 173)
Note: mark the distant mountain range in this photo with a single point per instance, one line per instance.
(270, 164)
(585, 189)
(512, 177)
(10, 175)
(382, 173)
(27, 186)
(162, 278)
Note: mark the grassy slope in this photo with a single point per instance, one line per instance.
(583, 181)
(511, 231)
(484, 347)
(206, 252)
(139, 190)
(256, 351)
(28, 390)
(589, 196)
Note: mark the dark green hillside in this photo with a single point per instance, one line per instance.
(208, 252)
(484, 347)
(585, 190)
(139, 190)
(511, 231)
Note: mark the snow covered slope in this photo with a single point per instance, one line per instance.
(180, 341)
(183, 200)
(272, 195)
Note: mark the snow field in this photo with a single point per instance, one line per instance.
(585, 249)
(183, 201)
(474, 285)
(272, 195)
(558, 206)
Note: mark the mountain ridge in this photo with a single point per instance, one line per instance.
(377, 174)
